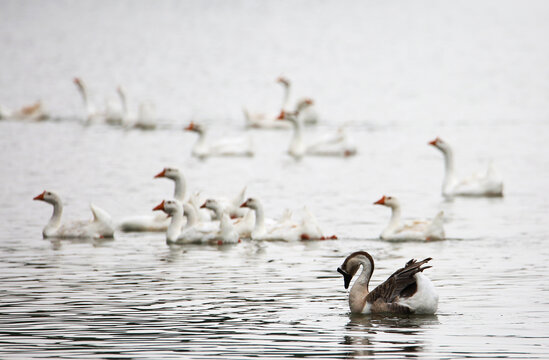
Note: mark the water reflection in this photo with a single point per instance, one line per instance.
(376, 334)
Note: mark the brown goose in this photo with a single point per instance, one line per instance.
(406, 291)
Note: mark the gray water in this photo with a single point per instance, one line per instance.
(397, 73)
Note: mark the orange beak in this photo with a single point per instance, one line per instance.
(190, 127)
(380, 201)
(309, 101)
(434, 142)
(281, 116)
(161, 174)
(203, 206)
(244, 204)
(159, 206)
(41, 196)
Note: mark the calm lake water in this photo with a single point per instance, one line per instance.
(397, 73)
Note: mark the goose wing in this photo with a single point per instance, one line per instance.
(400, 283)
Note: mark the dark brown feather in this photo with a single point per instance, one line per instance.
(401, 283)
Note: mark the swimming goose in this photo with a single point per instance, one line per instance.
(192, 231)
(416, 230)
(156, 223)
(229, 147)
(284, 229)
(331, 145)
(92, 114)
(487, 184)
(99, 227)
(406, 291)
(32, 112)
(268, 121)
(145, 119)
(242, 225)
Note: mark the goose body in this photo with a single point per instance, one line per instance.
(32, 112)
(192, 232)
(146, 114)
(406, 291)
(100, 226)
(417, 230)
(284, 229)
(269, 121)
(476, 185)
(158, 222)
(228, 147)
(92, 114)
(331, 145)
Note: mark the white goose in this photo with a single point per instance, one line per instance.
(406, 291)
(156, 223)
(331, 145)
(269, 121)
(100, 227)
(92, 114)
(487, 184)
(192, 231)
(226, 234)
(242, 225)
(417, 230)
(145, 119)
(283, 229)
(32, 112)
(229, 147)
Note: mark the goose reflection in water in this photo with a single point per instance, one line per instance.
(371, 335)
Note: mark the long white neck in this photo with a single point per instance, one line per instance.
(174, 229)
(359, 290)
(449, 176)
(190, 214)
(259, 227)
(297, 146)
(55, 220)
(286, 97)
(180, 188)
(201, 146)
(124, 102)
(84, 93)
(394, 221)
(218, 211)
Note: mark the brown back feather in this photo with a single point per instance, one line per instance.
(400, 280)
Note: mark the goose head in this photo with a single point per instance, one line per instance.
(49, 197)
(251, 203)
(440, 144)
(194, 127)
(389, 201)
(352, 263)
(170, 207)
(170, 173)
(283, 81)
(211, 204)
(303, 104)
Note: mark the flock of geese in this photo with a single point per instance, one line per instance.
(195, 220)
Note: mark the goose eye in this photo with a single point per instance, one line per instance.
(389, 197)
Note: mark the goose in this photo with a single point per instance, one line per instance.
(268, 121)
(156, 223)
(230, 147)
(225, 234)
(332, 145)
(417, 230)
(32, 112)
(100, 227)
(145, 119)
(91, 112)
(243, 225)
(406, 291)
(284, 229)
(191, 232)
(487, 184)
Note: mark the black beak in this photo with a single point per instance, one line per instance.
(346, 277)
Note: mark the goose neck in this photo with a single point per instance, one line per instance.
(55, 220)
(395, 219)
(448, 170)
(259, 219)
(359, 290)
(191, 216)
(180, 188)
(174, 229)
